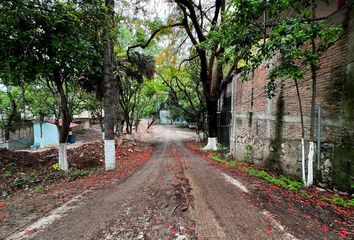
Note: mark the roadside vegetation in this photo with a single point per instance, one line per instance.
(291, 183)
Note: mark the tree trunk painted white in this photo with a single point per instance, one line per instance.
(103, 135)
(310, 165)
(109, 154)
(303, 161)
(212, 144)
(198, 137)
(63, 158)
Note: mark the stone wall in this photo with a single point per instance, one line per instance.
(268, 132)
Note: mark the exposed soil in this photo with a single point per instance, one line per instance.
(88, 135)
(179, 194)
(21, 206)
(307, 216)
(153, 203)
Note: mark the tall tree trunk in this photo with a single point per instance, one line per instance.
(12, 117)
(212, 107)
(127, 123)
(197, 131)
(65, 125)
(109, 144)
(117, 113)
(313, 104)
(303, 167)
(312, 127)
(41, 120)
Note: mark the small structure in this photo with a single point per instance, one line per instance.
(47, 134)
(83, 119)
(165, 117)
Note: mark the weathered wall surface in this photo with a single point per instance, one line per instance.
(20, 138)
(268, 132)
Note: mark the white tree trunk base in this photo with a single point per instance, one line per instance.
(63, 157)
(129, 137)
(303, 161)
(198, 138)
(102, 135)
(109, 155)
(310, 165)
(212, 144)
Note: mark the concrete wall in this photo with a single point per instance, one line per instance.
(165, 117)
(268, 132)
(50, 135)
(84, 123)
(20, 138)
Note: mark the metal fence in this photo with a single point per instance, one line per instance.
(224, 127)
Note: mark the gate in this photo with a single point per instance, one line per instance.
(224, 126)
(224, 121)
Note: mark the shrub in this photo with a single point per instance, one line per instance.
(232, 164)
(218, 158)
(21, 182)
(76, 173)
(8, 174)
(38, 188)
(56, 167)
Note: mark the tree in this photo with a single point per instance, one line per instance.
(51, 41)
(185, 94)
(10, 103)
(108, 85)
(198, 20)
(155, 98)
(130, 77)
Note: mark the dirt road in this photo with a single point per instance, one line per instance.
(176, 195)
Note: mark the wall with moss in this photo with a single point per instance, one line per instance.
(268, 132)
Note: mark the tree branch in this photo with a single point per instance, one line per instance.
(187, 60)
(152, 37)
(228, 78)
(192, 15)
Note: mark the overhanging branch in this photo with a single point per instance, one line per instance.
(187, 60)
(152, 37)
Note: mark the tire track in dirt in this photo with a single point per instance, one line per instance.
(150, 204)
(223, 211)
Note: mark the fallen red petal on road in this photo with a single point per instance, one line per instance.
(325, 228)
(269, 230)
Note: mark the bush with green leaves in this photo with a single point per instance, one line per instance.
(22, 182)
(38, 188)
(75, 173)
(342, 202)
(8, 174)
(217, 158)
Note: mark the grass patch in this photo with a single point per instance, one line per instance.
(283, 181)
(8, 174)
(337, 200)
(38, 188)
(75, 173)
(303, 193)
(218, 158)
(231, 164)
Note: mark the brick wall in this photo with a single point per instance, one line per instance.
(268, 132)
